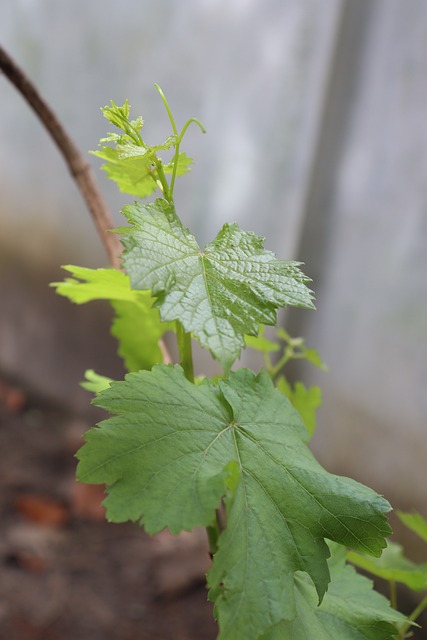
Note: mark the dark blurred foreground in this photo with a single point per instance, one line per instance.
(66, 574)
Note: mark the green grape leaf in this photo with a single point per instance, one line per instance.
(94, 382)
(393, 565)
(138, 330)
(219, 294)
(415, 522)
(351, 609)
(130, 162)
(132, 167)
(174, 449)
(306, 401)
(313, 356)
(134, 175)
(183, 165)
(136, 325)
(119, 117)
(260, 342)
(86, 285)
(296, 348)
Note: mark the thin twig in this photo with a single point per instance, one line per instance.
(79, 167)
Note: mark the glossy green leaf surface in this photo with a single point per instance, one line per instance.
(220, 293)
(175, 449)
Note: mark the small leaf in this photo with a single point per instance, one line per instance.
(415, 522)
(306, 401)
(295, 348)
(94, 382)
(183, 166)
(313, 356)
(134, 175)
(218, 294)
(119, 116)
(393, 565)
(136, 325)
(96, 284)
(260, 342)
(130, 162)
(166, 460)
(138, 329)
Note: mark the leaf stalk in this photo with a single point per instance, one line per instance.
(185, 351)
(412, 617)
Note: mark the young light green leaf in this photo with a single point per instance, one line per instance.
(133, 169)
(134, 175)
(166, 460)
(415, 522)
(119, 117)
(260, 342)
(306, 401)
(94, 382)
(183, 165)
(136, 325)
(97, 284)
(393, 565)
(296, 349)
(138, 329)
(219, 294)
(351, 610)
(130, 162)
(314, 357)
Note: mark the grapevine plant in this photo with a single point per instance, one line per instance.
(229, 453)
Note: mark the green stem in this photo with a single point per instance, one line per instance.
(214, 531)
(178, 143)
(187, 124)
(412, 617)
(213, 535)
(185, 351)
(393, 594)
(280, 363)
(167, 107)
(161, 174)
(175, 167)
(178, 138)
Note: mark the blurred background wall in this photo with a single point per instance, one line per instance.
(316, 138)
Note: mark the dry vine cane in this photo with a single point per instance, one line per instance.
(77, 163)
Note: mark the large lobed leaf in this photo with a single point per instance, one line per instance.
(175, 449)
(219, 294)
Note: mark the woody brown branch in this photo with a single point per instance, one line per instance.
(77, 164)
